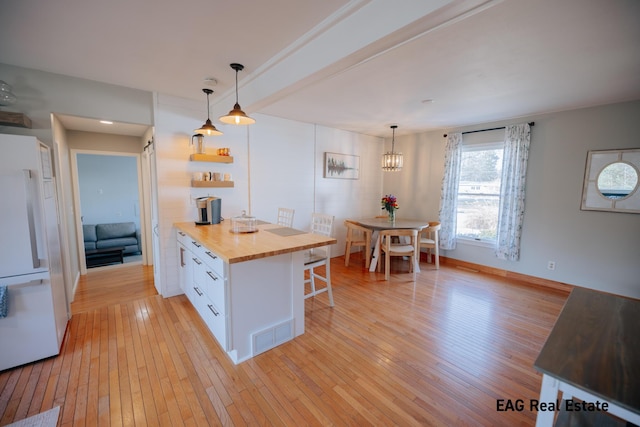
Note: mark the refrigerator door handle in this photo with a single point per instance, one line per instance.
(32, 227)
(26, 284)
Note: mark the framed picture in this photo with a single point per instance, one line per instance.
(344, 166)
(612, 181)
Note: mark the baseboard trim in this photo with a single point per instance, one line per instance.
(75, 287)
(479, 268)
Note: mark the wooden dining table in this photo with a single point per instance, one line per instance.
(377, 224)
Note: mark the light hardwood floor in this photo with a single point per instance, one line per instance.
(440, 351)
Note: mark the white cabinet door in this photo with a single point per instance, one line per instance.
(185, 266)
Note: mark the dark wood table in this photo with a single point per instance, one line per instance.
(97, 257)
(592, 354)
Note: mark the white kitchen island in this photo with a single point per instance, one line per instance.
(248, 288)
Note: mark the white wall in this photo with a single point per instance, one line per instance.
(94, 141)
(108, 189)
(68, 239)
(598, 250)
(277, 163)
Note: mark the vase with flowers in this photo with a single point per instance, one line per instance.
(390, 204)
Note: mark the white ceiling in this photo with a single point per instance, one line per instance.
(357, 65)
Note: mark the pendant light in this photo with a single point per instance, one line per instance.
(208, 128)
(392, 161)
(237, 116)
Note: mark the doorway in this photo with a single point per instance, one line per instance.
(107, 203)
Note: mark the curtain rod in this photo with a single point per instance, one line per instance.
(486, 130)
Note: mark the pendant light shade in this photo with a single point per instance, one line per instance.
(392, 161)
(208, 128)
(237, 116)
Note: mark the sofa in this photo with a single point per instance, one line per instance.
(112, 235)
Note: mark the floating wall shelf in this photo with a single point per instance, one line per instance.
(211, 158)
(14, 119)
(219, 184)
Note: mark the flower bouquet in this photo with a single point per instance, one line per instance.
(390, 204)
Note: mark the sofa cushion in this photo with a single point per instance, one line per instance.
(89, 233)
(114, 243)
(89, 246)
(116, 230)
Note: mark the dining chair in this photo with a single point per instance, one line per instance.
(357, 236)
(390, 248)
(285, 217)
(429, 240)
(320, 224)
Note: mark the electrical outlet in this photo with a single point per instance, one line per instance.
(551, 265)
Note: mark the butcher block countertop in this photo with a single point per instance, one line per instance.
(233, 248)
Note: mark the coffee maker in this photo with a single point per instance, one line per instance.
(208, 210)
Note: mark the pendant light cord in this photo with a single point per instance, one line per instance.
(393, 140)
(236, 86)
(393, 137)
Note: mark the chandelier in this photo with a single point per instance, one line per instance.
(392, 161)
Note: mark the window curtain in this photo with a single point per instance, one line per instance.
(514, 171)
(449, 193)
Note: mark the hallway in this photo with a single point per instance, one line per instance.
(113, 285)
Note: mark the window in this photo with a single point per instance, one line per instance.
(481, 187)
(479, 191)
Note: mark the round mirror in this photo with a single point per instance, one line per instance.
(617, 180)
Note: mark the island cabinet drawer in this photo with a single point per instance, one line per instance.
(216, 321)
(213, 261)
(214, 287)
(196, 295)
(184, 238)
(207, 256)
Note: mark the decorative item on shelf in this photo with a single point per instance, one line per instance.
(392, 161)
(199, 144)
(236, 116)
(208, 128)
(6, 96)
(390, 204)
(9, 118)
(223, 151)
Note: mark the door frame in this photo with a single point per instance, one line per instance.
(77, 209)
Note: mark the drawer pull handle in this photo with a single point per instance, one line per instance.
(213, 276)
(196, 244)
(181, 233)
(197, 291)
(197, 261)
(215, 313)
(211, 255)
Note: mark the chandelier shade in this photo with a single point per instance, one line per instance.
(236, 116)
(392, 161)
(208, 128)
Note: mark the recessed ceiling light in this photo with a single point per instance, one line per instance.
(106, 122)
(210, 81)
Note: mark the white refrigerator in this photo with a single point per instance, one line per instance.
(34, 320)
